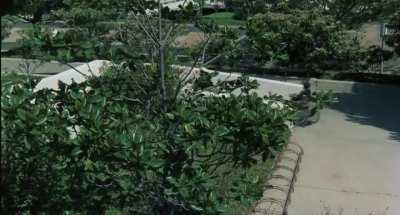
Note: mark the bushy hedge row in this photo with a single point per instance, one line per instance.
(90, 149)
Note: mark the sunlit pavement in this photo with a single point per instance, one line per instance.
(351, 162)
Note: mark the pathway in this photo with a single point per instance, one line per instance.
(351, 164)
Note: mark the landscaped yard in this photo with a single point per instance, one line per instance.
(223, 18)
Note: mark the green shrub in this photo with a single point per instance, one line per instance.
(91, 148)
(65, 45)
(6, 24)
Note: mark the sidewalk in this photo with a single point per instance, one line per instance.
(351, 162)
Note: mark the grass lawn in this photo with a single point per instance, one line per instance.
(223, 18)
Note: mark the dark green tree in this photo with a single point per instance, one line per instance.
(303, 38)
(32, 10)
(245, 8)
(393, 39)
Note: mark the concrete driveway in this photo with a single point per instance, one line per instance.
(351, 163)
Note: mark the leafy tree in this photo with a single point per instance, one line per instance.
(32, 10)
(389, 8)
(351, 12)
(245, 8)
(302, 38)
(393, 39)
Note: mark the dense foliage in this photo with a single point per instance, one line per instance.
(245, 8)
(393, 39)
(84, 36)
(30, 10)
(305, 39)
(6, 24)
(99, 148)
(351, 13)
(88, 30)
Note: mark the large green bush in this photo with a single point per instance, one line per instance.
(91, 149)
(305, 39)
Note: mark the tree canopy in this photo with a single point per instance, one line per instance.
(303, 38)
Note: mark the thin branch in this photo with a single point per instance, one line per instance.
(148, 34)
(220, 55)
(152, 30)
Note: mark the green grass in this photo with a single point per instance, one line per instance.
(223, 18)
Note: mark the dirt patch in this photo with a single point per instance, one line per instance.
(370, 34)
(190, 40)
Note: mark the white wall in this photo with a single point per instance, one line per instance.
(93, 68)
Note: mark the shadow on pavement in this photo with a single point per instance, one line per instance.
(374, 105)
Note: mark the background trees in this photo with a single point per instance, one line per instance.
(393, 39)
(352, 13)
(303, 38)
(32, 10)
(245, 8)
(349, 12)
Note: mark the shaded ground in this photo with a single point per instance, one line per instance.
(190, 40)
(352, 156)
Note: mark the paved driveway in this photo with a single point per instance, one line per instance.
(351, 164)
